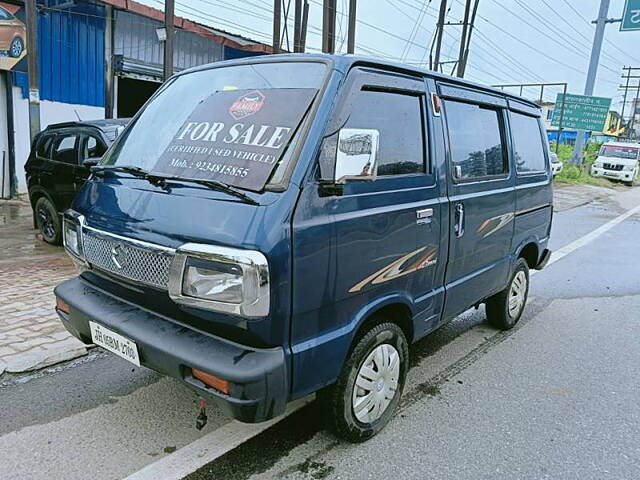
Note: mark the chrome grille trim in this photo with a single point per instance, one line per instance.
(140, 262)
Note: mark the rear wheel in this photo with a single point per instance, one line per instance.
(505, 308)
(48, 221)
(368, 391)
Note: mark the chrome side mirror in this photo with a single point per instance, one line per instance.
(356, 155)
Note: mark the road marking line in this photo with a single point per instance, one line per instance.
(206, 449)
(591, 236)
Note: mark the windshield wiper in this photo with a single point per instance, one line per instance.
(136, 171)
(214, 184)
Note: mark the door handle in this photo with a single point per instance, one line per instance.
(424, 216)
(459, 227)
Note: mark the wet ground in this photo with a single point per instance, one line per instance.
(18, 239)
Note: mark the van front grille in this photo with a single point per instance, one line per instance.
(129, 259)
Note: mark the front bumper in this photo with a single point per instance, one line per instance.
(257, 377)
(623, 175)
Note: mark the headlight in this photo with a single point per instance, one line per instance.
(72, 234)
(629, 168)
(222, 279)
(212, 281)
(597, 165)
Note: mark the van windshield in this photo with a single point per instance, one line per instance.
(619, 151)
(233, 124)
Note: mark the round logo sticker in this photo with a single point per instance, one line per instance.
(247, 104)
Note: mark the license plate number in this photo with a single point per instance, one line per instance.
(609, 174)
(115, 343)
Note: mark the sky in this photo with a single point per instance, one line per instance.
(515, 41)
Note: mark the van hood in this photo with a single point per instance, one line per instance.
(171, 218)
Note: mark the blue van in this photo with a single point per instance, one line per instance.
(270, 227)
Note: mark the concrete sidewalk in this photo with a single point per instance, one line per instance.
(31, 335)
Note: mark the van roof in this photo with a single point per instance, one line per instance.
(343, 62)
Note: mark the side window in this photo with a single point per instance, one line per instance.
(4, 15)
(65, 149)
(527, 143)
(43, 148)
(475, 136)
(93, 148)
(398, 117)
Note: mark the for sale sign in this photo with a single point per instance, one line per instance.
(236, 137)
(630, 16)
(581, 112)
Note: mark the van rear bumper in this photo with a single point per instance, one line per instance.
(257, 377)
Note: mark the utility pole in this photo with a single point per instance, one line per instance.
(463, 37)
(168, 43)
(633, 111)
(351, 35)
(297, 26)
(626, 87)
(593, 70)
(462, 62)
(435, 64)
(108, 62)
(277, 14)
(303, 26)
(32, 65)
(329, 26)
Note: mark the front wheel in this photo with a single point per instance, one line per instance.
(368, 391)
(505, 308)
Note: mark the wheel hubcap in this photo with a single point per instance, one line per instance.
(517, 294)
(46, 222)
(376, 383)
(17, 47)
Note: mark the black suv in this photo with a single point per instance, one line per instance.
(58, 166)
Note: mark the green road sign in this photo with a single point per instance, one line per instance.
(581, 112)
(630, 16)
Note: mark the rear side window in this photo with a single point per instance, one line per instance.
(475, 136)
(93, 148)
(65, 148)
(43, 148)
(527, 143)
(398, 118)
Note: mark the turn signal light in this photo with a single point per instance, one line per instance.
(62, 305)
(211, 380)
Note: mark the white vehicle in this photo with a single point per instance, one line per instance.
(556, 164)
(618, 161)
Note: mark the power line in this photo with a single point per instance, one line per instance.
(577, 12)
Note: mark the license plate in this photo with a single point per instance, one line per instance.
(608, 174)
(115, 343)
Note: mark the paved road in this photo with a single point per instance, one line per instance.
(554, 398)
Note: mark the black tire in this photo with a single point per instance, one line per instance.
(337, 399)
(48, 221)
(16, 47)
(498, 312)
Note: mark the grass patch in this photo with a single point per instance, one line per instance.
(579, 174)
